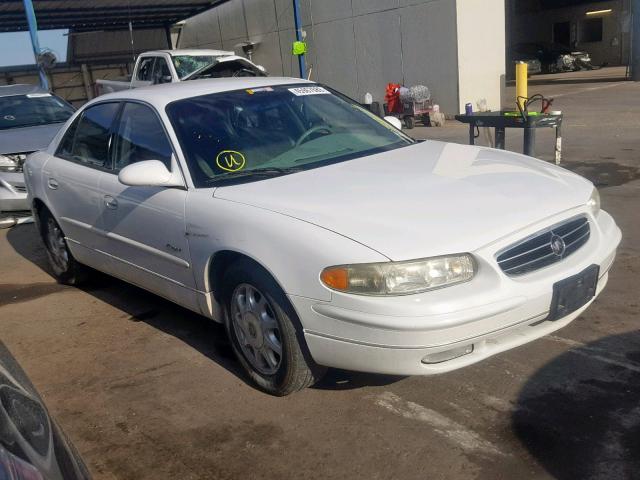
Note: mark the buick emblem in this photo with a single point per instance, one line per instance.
(557, 245)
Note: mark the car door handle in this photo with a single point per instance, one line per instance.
(110, 202)
(53, 183)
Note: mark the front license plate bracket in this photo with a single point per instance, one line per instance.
(574, 292)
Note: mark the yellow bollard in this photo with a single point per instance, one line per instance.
(521, 84)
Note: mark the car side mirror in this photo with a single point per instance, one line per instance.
(395, 121)
(149, 173)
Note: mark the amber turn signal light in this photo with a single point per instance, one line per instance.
(335, 277)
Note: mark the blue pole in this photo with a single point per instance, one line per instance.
(33, 31)
(298, 22)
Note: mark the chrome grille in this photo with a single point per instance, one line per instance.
(545, 248)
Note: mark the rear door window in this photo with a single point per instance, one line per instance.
(65, 147)
(140, 136)
(92, 138)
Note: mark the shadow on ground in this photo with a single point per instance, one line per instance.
(206, 336)
(604, 174)
(579, 416)
(573, 81)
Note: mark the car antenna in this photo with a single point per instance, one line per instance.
(133, 52)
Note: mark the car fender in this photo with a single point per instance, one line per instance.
(33, 176)
(293, 251)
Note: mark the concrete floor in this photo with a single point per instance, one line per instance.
(147, 390)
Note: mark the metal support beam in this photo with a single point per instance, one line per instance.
(299, 37)
(635, 40)
(167, 32)
(33, 31)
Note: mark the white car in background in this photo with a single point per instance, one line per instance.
(318, 233)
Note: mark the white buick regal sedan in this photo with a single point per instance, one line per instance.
(318, 233)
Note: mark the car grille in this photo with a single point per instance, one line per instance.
(545, 247)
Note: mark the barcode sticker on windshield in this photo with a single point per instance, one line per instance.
(302, 91)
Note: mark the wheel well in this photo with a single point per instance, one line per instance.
(219, 265)
(39, 207)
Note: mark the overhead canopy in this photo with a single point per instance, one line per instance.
(88, 15)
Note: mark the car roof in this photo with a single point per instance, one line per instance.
(161, 95)
(194, 52)
(20, 89)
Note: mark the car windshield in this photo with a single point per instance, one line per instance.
(187, 64)
(18, 111)
(247, 134)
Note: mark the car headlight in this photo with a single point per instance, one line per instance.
(399, 278)
(594, 202)
(12, 163)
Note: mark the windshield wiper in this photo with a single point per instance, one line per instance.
(256, 173)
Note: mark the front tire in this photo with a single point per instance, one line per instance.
(65, 268)
(265, 332)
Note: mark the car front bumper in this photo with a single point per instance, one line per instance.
(13, 193)
(488, 315)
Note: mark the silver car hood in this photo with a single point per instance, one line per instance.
(28, 139)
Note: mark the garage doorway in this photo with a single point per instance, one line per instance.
(562, 33)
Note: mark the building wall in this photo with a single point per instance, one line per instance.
(359, 46)
(481, 40)
(535, 25)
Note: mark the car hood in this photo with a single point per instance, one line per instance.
(427, 199)
(28, 139)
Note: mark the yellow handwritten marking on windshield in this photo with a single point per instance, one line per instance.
(231, 161)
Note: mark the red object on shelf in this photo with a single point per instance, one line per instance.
(392, 98)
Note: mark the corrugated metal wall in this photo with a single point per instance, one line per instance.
(114, 46)
(356, 46)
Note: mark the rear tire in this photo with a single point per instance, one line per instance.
(265, 332)
(65, 268)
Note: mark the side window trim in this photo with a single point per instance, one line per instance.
(74, 125)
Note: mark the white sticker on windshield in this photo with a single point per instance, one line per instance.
(38, 95)
(302, 91)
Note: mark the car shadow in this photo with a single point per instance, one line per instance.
(549, 79)
(200, 333)
(579, 415)
(337, 379)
